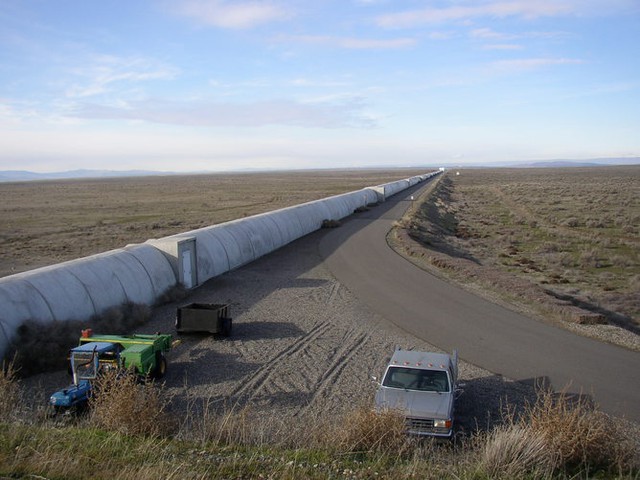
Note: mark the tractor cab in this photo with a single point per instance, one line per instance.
(89, 359)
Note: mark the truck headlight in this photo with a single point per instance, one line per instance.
(442, 423)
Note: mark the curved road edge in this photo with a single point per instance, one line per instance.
(485, 334)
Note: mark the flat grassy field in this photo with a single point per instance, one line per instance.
(48, 222)
(574, 233)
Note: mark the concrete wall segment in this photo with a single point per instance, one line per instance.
(156, 265)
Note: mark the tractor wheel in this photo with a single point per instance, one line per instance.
(161, 366)
(227, 325)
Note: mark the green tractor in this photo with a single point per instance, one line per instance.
(140, 354)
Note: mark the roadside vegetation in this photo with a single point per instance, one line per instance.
(130, 431)
(561, 244)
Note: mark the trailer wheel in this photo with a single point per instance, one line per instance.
(227, 325)
(161, 366)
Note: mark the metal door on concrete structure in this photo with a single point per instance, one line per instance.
(187, 268)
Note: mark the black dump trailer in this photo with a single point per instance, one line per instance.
(204, 318)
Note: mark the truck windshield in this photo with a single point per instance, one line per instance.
(416, 379)
(84, 365)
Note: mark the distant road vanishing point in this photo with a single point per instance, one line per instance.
(485, 334)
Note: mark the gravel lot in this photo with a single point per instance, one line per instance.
(301, 344)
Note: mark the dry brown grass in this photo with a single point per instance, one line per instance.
(555, 437)
(9, 392)
(578, 434)
(122, 404)
(360, 430)
(242, 426)
(364, 430)
(513, 451)
(557, 434)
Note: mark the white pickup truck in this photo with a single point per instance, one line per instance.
(421, 385)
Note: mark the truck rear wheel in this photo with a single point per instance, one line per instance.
(227, 325)
(161, 366)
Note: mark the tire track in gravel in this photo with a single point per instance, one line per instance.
(339, 361)
(264, 373)
(310, 366)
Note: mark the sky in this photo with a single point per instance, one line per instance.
(217, 85)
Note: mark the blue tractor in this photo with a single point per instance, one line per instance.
(140, 354)
(86, 362)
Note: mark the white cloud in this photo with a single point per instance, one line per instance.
(441, 35)
(347, 113)
(350, 42)
(104, 71)
(473, 10)
(488, 34)
(317, 83)
(233, 14)
(502, 46)
(528, 64)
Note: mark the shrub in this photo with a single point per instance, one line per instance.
(43, 347)
(595, 223)
(590, 258)
(364, 430)
(556, 434)
(121, 404)
(121, 319)
(571, 222)
(621, 261)
(173, 294)
(328, 223)
(513, 451)
(581, 435)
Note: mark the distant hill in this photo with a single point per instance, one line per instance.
(26, 176)
(558, 164)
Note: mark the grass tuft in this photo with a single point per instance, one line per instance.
(364, 430)
(580, 435)
(514, 451)
(121, 404)
(557, 434)
(9, 392)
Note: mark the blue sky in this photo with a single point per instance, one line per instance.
(181, 85)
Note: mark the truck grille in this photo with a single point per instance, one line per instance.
(424, 426)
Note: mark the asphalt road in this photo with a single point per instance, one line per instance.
(485, 334)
